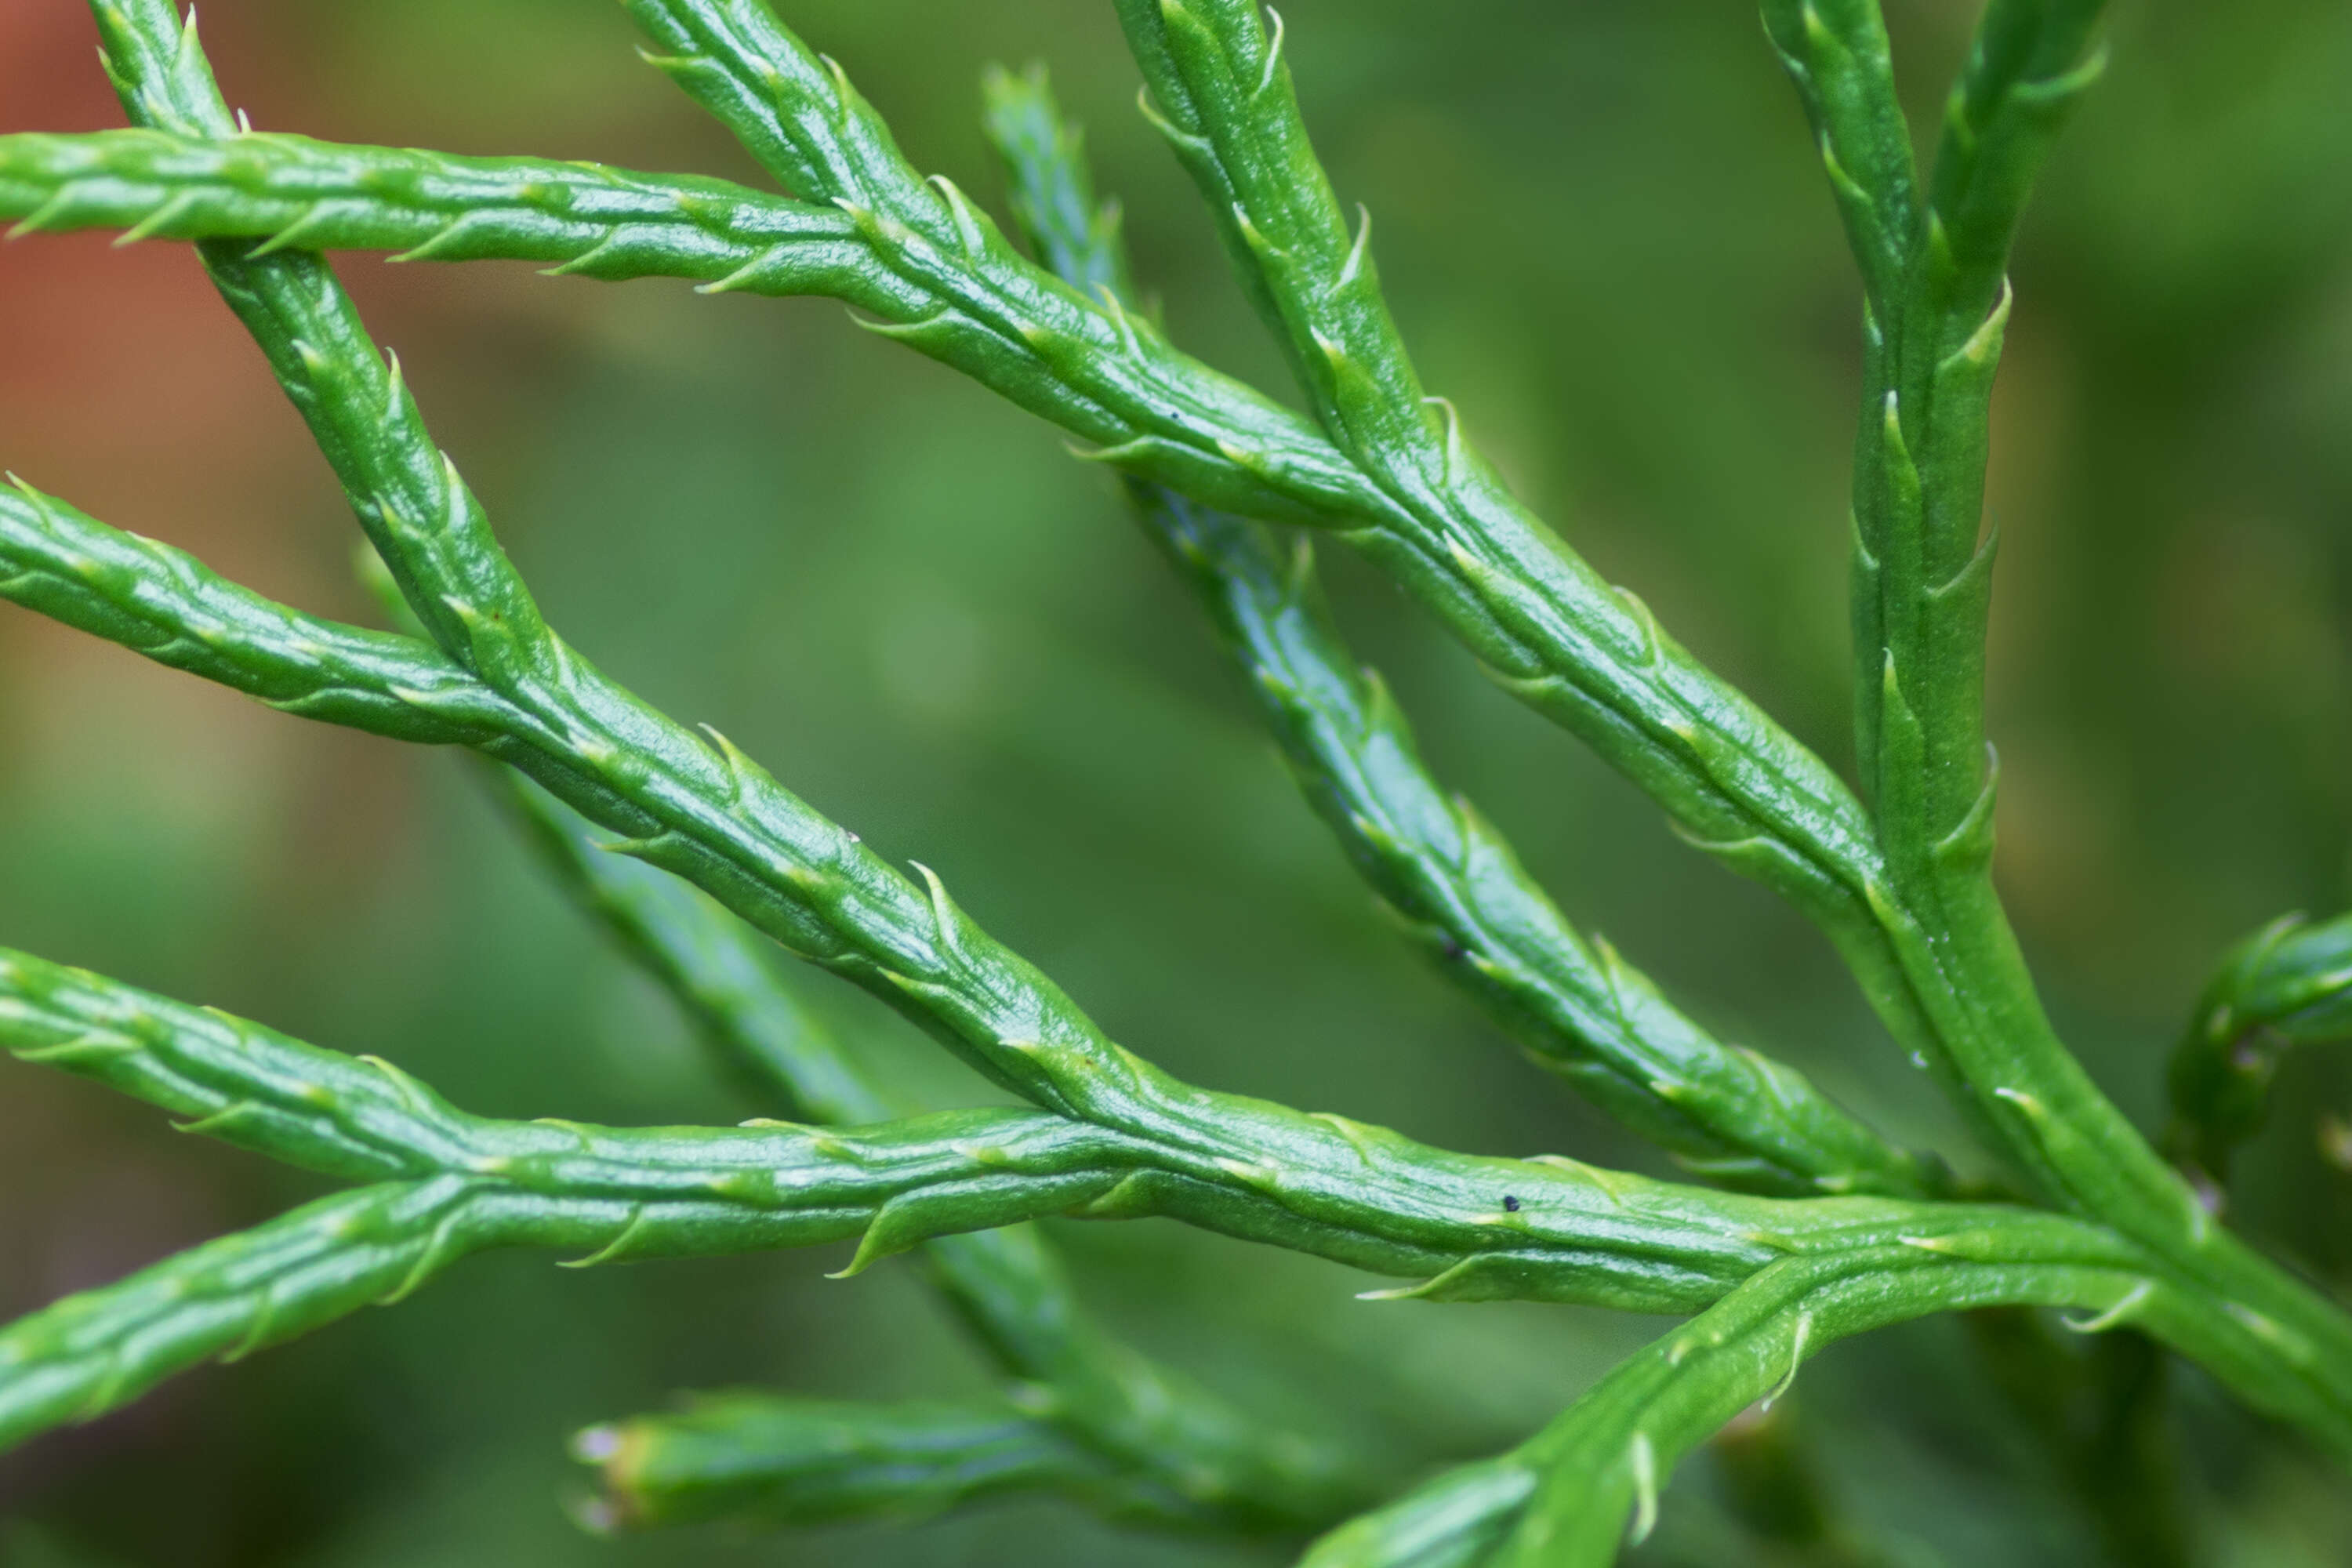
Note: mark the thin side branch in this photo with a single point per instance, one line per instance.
(1580, 1009)
(1176, 1452)
(467, 1183)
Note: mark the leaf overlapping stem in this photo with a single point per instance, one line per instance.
(941, 276)
(1922, 579)
(1904, 890)
(1456, 867)
(60, 561)
(1924, 931)
(1761, 800)
(1586, 653)
(1155, 1444)
(1578, 1007)
(1588, 656)
(1937, 303)
(1934, 306)
(448, 1184)
(703, 809)
(161, 602)
(1836, 51)
(212, 189)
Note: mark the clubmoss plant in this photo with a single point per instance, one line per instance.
(1801, 1225)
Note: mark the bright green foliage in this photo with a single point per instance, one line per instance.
(1133, 1437)
(1579, 1007)
(2288, 985)
(1831, 1231)
(803, 1461)
(1564, 1497)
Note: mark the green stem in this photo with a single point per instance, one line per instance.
(1576, 1233)
(1911, 905)
(1580, 1009)
(1922, 579)
(716, 818)
(1417, 500)
(1905, 891)
(1922, 584)
(781, 1460)
(1587, 655)
(1836, 52)
(708, 812)
(1189, 1456)
(1581, 650)
(1566, 1497)
(460, 1184)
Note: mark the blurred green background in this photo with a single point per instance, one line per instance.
(1602, 225)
